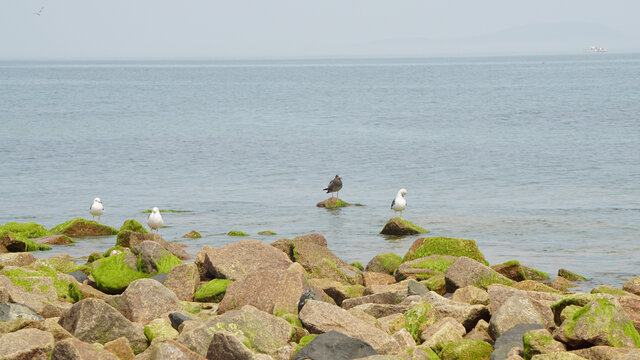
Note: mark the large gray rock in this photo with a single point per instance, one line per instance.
(227, 346)
(183, 280)
(26, 344)
(465, 271)
(92, 320)
(424, 268)
(320, 317)
(515, 310)
(74, 349)
(12, 311)
(510, 339)
(334, 345)
(237, 260)
(144, 300)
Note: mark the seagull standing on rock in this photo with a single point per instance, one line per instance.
(334, 186)
(96, 209)
(399, 203)
(155, 220)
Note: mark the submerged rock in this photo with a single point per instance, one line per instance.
(332, 203)
(571, 276)
(80, 228)
(398, 226)
(192, 235)
(54, 240)
(237, 233)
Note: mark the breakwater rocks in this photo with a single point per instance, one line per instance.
(295, 299)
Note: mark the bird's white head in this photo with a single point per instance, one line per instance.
(402, 192)
(97, 200)
(155, 210)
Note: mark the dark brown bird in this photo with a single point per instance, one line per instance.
(334, 186)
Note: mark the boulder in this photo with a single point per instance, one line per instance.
(59, 333)
(465, 271)
(226, 345)
(74, 349)
(81, 228)
(92, 320)
(441, 333)
(20, 259)
(517, 309)
(516, 272)
(465, 314)
(212, 291)
(510, 339)
(384, 263)
(480, 332)
(540, 341)
(382, 310)
(12, 311)
(559, 355)
(158, 328)
(631, 306)
(114, 273)
(336, 346)
(424, 268)
(337, 290)
(183, 280)
(436, 284)
(317, 239)
(466, 349)
(121, 348)
(542, 301)
(601, 322)
(144, 300)
(607, 353)
(396, 286)
(424, 247)
(418, 318)
(416, 288)
(371, 278)
(332, 203)
(398, 226)
(18, 294)
(632, 286)
(54, 240)
(163, 348)
(130, 239)
(153, 258)
(577, 299)
(320, 317)
(177, 319)
(471, 295)
(26, 344)
(236, 261)
(389, 297)
(571, 276)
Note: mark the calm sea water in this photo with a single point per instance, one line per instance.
(537, 159)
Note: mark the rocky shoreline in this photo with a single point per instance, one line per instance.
(295, 299)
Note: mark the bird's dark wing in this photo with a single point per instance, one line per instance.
(393, 203)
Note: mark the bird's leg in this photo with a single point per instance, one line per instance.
(337, 194)
(98, 219)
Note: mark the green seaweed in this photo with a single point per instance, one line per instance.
(213, 290)
(167, 262)
(304, 341)
(192, 235)
(389, 262)
(267, 232)
(466, 349)
(114, 275)
(237, 233)
(335, 203)
(134, 226)
(108, 252)
(439, 264)
(24, 232)
(357, 265)
(603, 289)
(418, 315)
(64, 227)
(62, 287)
(446, 246)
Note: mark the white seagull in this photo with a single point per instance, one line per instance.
(96, 209)
(155, 220)
(399, 203)
(334, 186)
(39, 12)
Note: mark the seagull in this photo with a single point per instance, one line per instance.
(96, 209)
(334, 186)
(155, 220)
(399, 203)
(39, 12)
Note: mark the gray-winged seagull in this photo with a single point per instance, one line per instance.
(334, 186)
(399, 203)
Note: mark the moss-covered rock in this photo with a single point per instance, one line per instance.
(160, 328)
(466, 349)
(357, 265)
(80, 228)
(114, 251)
(113, 274)
(16, 237)
(398, 226)
(571, 276)
(332, 203)
(28, 279)
(133, 225)
(384, 263)
(436, 283)
(604, 289)
(578, 299)
(568, 312)
(516, 272)
(212, 291)
(418, 318)
(424, 247)
(237, 233)
(93, 257)
(267, 232)
(424, 268)
(540, 341)
(192, 235)
(304, 341)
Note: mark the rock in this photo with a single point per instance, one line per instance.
(15, 294)
(398, 226)
(436, 284)
(237, 260)
(391, 323)
(192, 235)
(130, 239)
(164, 348)
(183, 280)
(267, 233)
(516, 272)
(480, 332)
(467, 315)
(307, 295)
(262, 332)
(607, 353)
(74, 349)
(540, 341)
(237, 233)
(144, 300)
(402, 286)
(424, 247)
(120, 348)
(631, 306)
(336, 346)
(317, 239)
(382, 310)
(114, 273)
(160, 277)
(604, 289)
(177, 319)
(153, 258)
(16, 237)
(418, 318)
(158, 328)
(375, 278)
(404, 339)
(337, 290)
(416, 288)
(511, 338)
(466, 349)
(570, 275)
(92, 320)
(51, 325)
(21, 259)
(79, 276)
(384, 263)
(54, 240)
(601, 322)
(26, 344)
(471, 295)
(441, 333)
(578, 299)
(11, 311)
(517, 309)
(568, 312)
(389, 297)
(632, 286)
(332, 203)
(560, 355)
(542, 301)
(225, 345)
(531, 285)
(561, 284)
(424, 268)
(133, 225)
(212, 291)
(87, 291)
(81, 228)
(465, 271)
(319, 317)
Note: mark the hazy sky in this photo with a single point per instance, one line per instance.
(302, 28)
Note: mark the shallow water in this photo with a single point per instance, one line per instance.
(535, 161)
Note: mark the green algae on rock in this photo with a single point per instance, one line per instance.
(113, 275)
(398, 226)
(424, 247)
(192, 235)
(304, 342)
(27, 278)
(333, 203)
(267, 232)
(166, 263)
(16, 237)
(604, 289)
(134, 226)
(466, 349)
(237, 233)
(357, 265)
(571, 276)
(80, 228)
(212, 291)
(418, 318)
(516, 272)
(384, 263)
(160, 328)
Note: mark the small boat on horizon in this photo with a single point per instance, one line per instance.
(595, 50)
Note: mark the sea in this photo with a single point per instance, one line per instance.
(536, 158)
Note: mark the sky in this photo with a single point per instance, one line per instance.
(211, 29)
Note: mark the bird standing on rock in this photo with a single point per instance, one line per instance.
(155, 220)
(96, 209)
(334, 186)
(399, 203)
